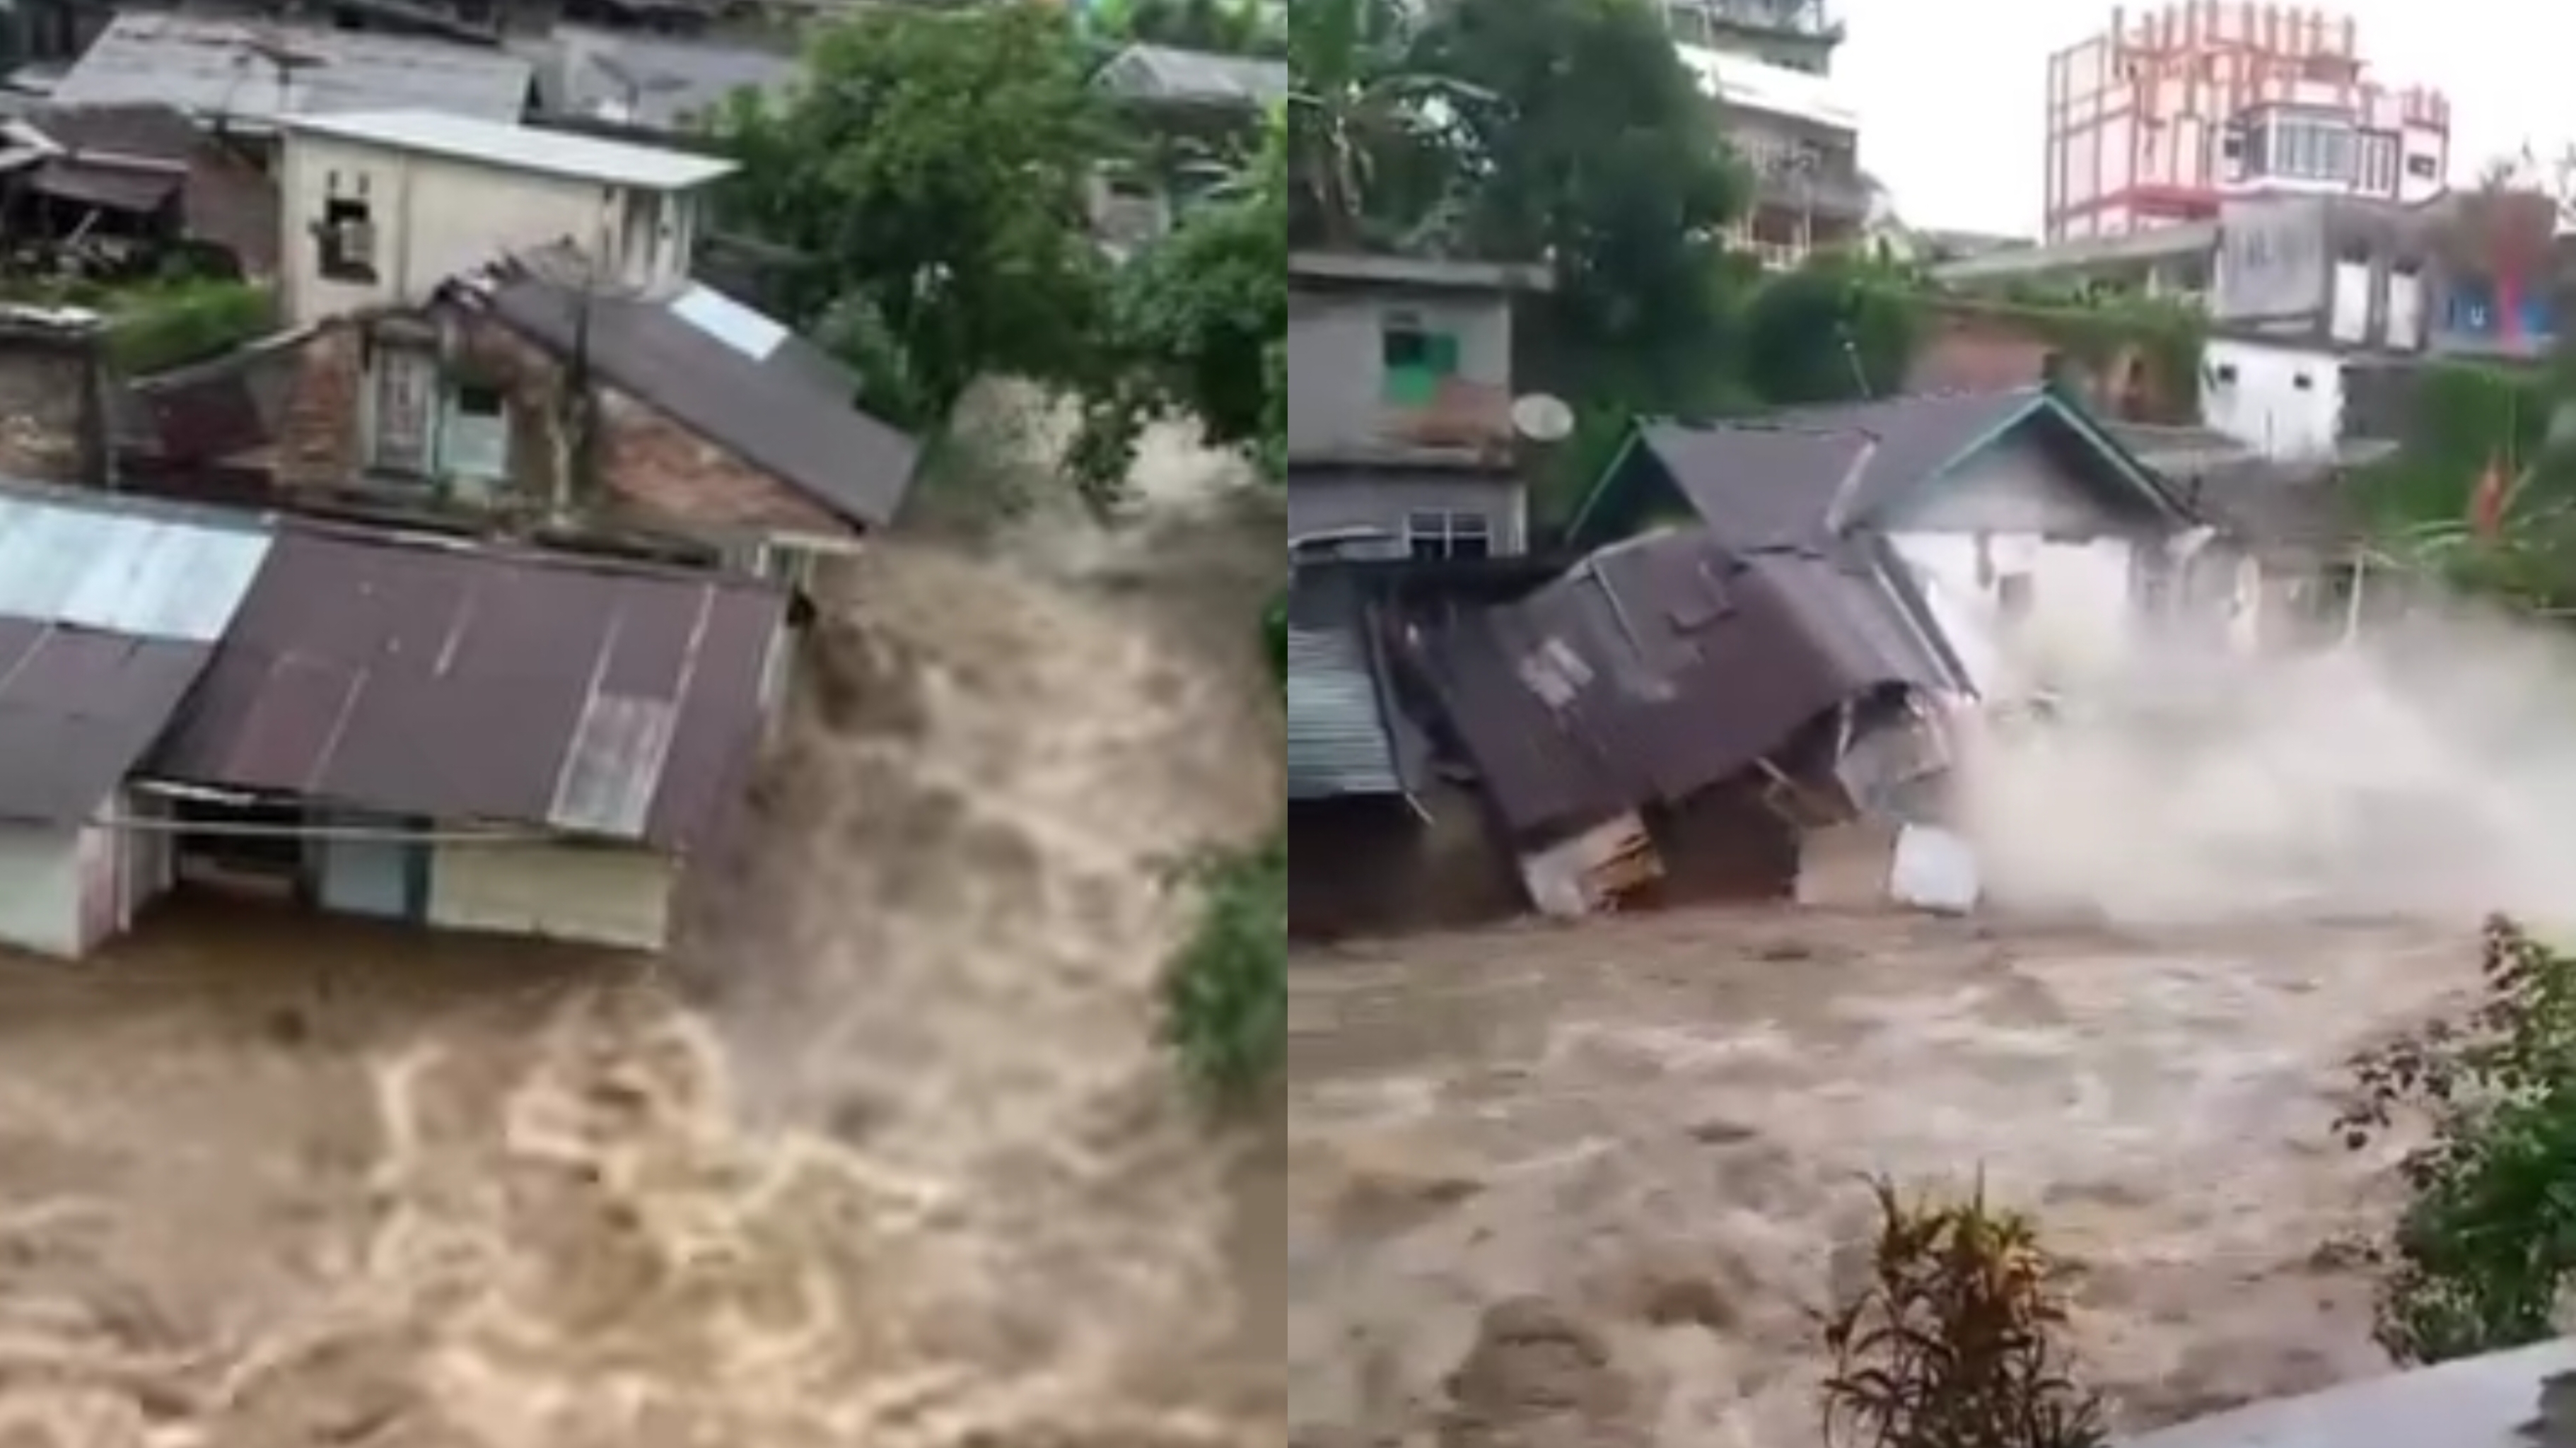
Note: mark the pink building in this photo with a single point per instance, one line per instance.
(2157, 117)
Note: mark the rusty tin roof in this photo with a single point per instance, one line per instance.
(458, 684)
(737, 378)
(108, 613)
(1665, 665)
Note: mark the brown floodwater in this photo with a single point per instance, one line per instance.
(1560, 1186)
(884, 1155)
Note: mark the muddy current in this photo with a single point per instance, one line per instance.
(1589, 1187)
(883, 1155)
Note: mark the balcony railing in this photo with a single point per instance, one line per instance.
(1459, 417)
(1820, 189)
(1811, 19)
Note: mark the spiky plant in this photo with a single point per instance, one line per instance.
(1955, 1340)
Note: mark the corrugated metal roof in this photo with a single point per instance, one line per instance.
(216, 69)
(462, 684)
(661, 85)
(506, 143)
(1337, 735)
(1346, 733)
(137, 572)
(77, 709)
(787, 408)
(107, 613)
(110, 188)
(1665, 665)
(1168, 73)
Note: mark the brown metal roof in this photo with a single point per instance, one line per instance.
(735, 378)
(78, 707)
(135, 189)
(464, 685)
(1663, 666)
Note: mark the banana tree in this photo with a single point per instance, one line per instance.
(1356, 107)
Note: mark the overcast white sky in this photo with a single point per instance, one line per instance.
(1951, 91)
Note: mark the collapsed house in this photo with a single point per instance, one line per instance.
(1662, 724)
(1741, 691)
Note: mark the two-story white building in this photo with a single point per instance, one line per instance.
(382, 208)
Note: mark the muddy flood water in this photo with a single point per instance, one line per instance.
(884, 1156)
(1583, 1188)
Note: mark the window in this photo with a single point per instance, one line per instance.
(2300, 147)
(2423, 168)
(2379, 164)
(475, 442)
(2302, 381)
(1414, 360)
(404, 387)
(1438, 535)
(346, 239)
(2226, 374)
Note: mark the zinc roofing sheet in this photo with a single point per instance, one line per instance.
(226, 69)
(141, 573)
(504, 142)
(107, 616)
(462, 685)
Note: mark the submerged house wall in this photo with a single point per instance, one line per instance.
(65, 891)
(591, 893)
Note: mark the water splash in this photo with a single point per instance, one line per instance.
(832, 1177)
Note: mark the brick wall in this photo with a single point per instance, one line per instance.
(1969, 351)
(653, 470)
(50, 400)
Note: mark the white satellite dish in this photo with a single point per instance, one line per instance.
(1542, 418)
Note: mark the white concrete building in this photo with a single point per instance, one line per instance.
(381, 208)
(1800, 134)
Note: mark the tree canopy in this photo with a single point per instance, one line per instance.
(932, 177)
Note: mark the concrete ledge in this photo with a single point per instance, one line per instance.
(2164, 243)
(2475, 1403)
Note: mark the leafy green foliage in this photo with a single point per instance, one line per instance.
(1196, 326)
(1369, 161)
(1225, 995)
(2466, 417)
(1830, 331)
(1592, 144)
(1953, 1341)
(1222, 27)
(932, 174)
(155, 328)
(2487, 1242)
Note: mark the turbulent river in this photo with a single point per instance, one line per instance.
(884, 1156)
(1584, 1187)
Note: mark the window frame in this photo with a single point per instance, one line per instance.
(345, 215)
(1441, 535)
(1415, 383)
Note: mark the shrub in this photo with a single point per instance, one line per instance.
(2487, 1241)
(1225, 995)
(155, 328)
(1953, 1342)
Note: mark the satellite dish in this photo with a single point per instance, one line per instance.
(1542, 418)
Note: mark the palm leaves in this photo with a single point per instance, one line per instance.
(1362, 118)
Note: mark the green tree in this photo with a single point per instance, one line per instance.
(1594, 146)
(1372, 140)
(1834, 330)
(1197, 327)
(2485, 1248)
(1222, 27)
(932, 175)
